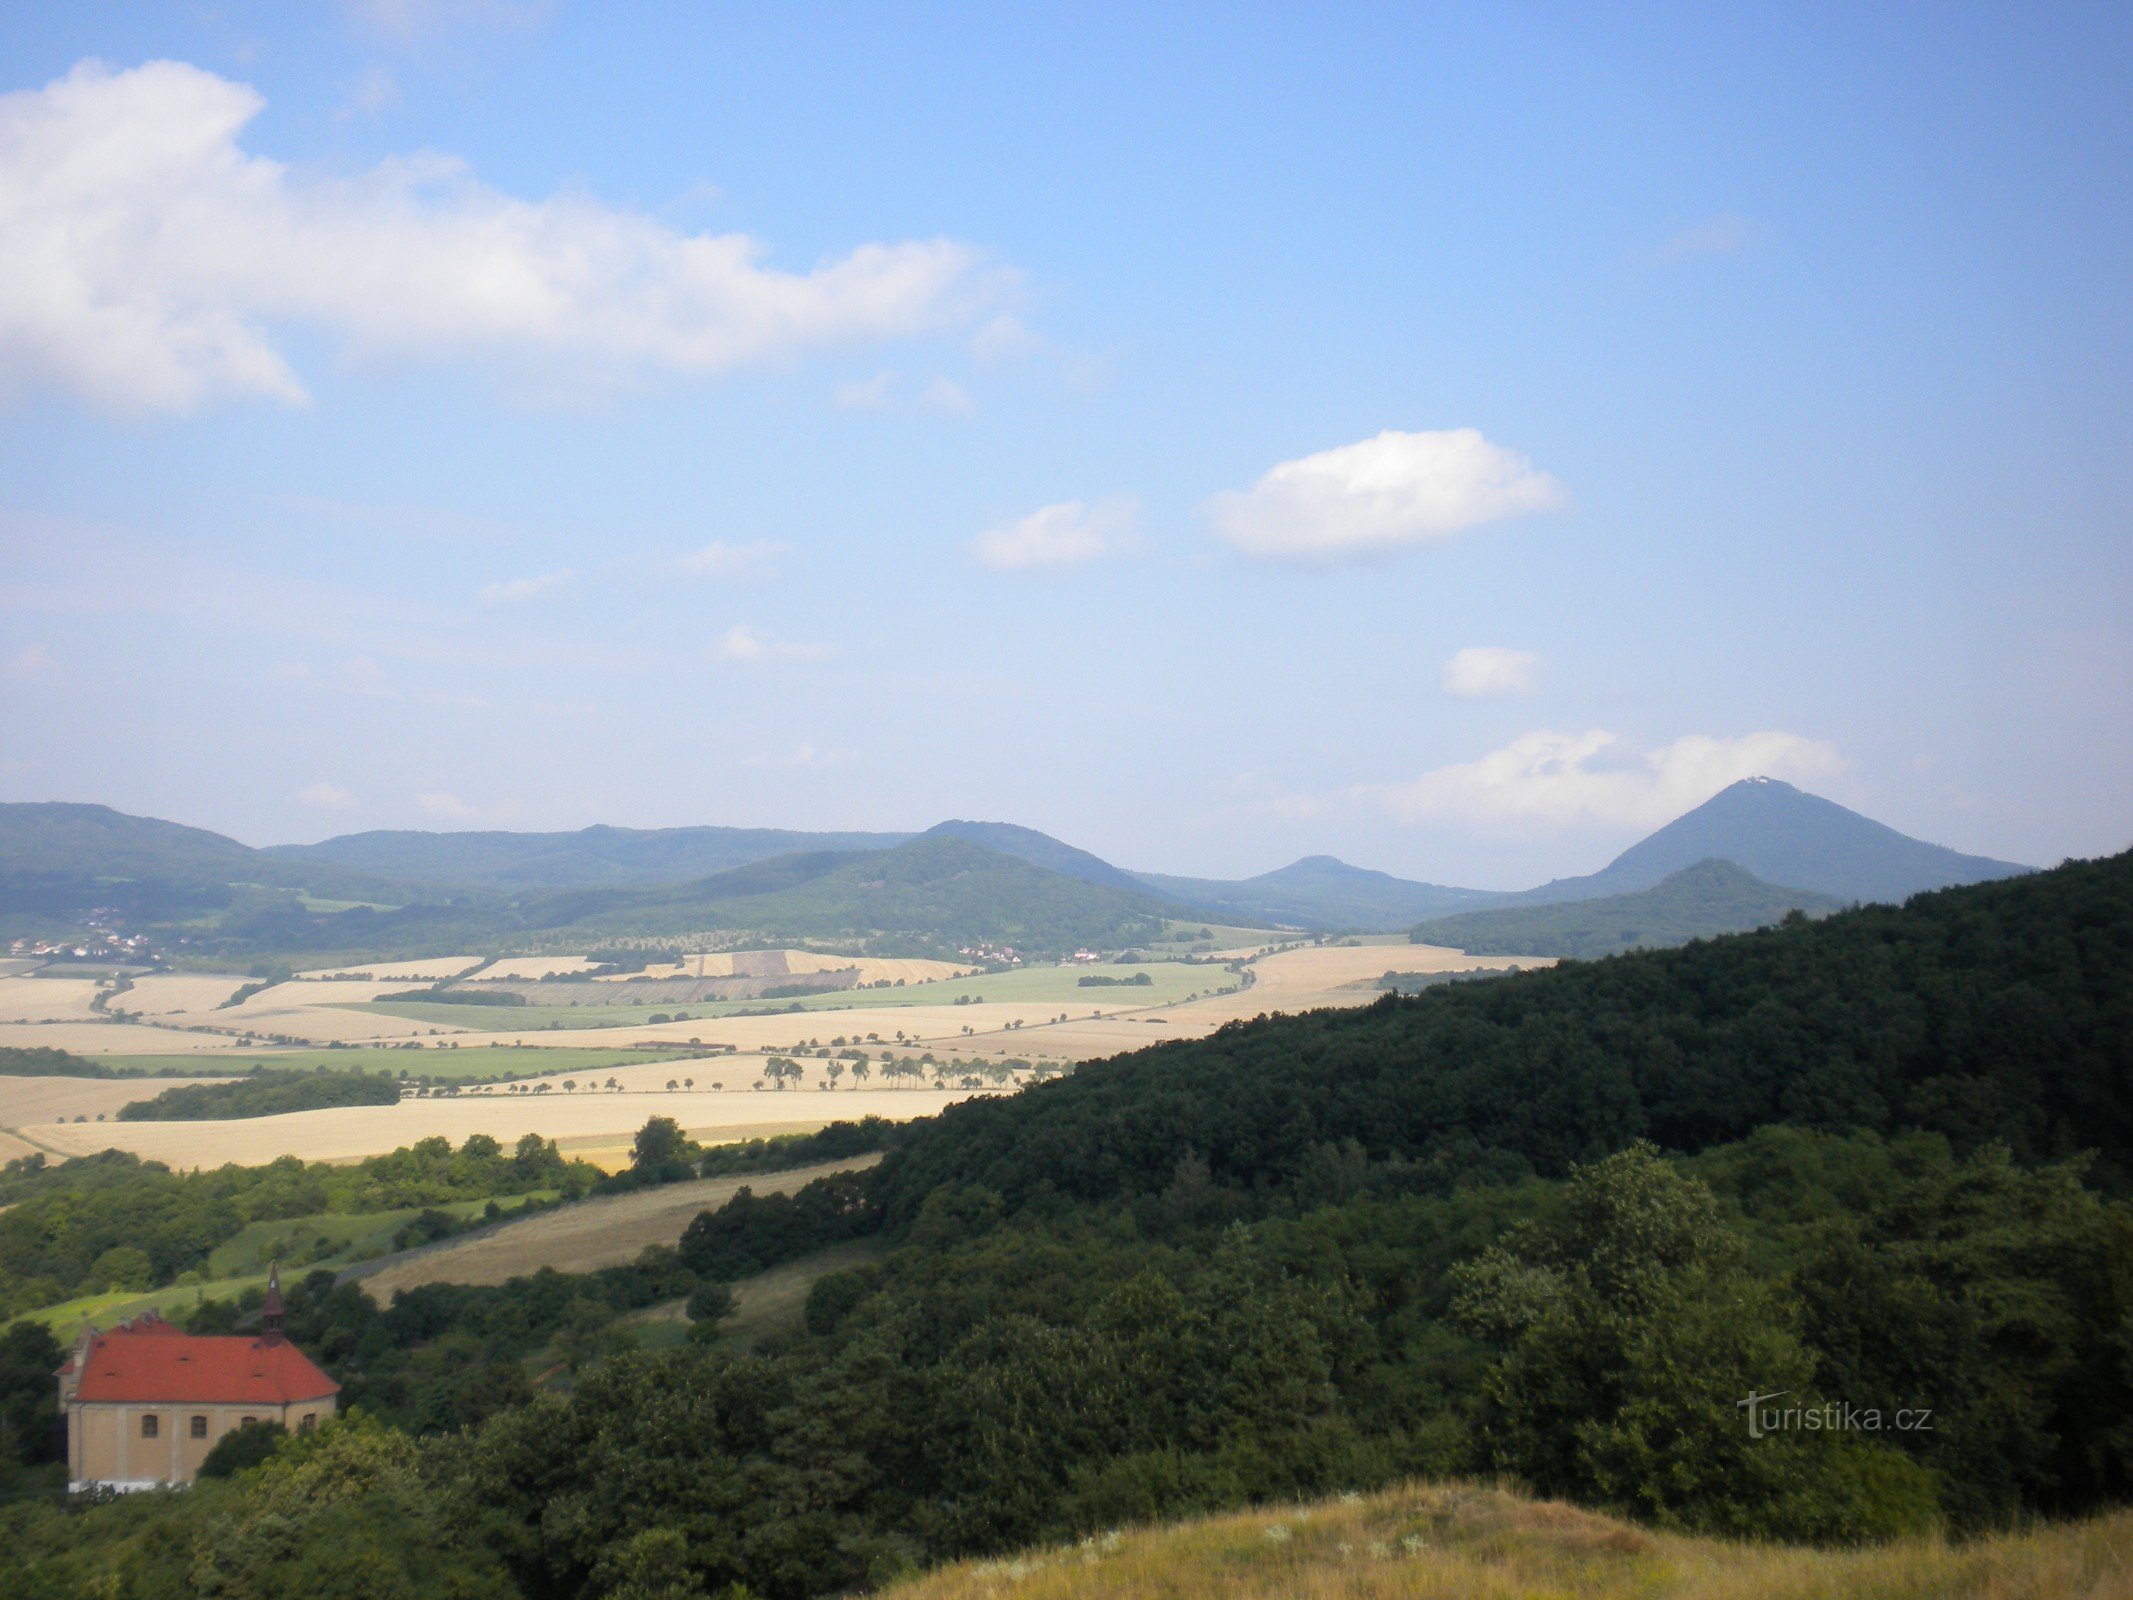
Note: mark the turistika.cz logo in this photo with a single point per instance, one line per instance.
(1832, 1416)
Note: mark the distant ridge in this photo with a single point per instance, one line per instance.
(1698, 902)
(1321, 893)
(1783, 835)
(588, 858)
(1039, 850)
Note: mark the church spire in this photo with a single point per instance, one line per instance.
(270, 1309)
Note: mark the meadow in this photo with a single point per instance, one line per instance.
(603, 1232)
(1470, 1541)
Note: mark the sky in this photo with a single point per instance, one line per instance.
(1454, 438)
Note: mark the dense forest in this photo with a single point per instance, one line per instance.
(264, 1094)
(1557, 1225)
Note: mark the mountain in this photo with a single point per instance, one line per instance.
(1320, 892)
(1783, 835)
(1040, 850)
(58, 858)
(1698, 902)
(589, 857)
(940, 891)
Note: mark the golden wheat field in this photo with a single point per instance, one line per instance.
(1473, 1542)
(585, 1120)
(113, 1038)
(29, 1101)
(605, 1232)
(163, 994)
(428, 971)
(28, 999)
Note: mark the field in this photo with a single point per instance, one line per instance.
(1169, 982)
(766, 1304)
(462, 1064)
(25, 1101)
(606, 1232)
(29, 999)
(595, 1125)
(1470, 1542)
(330, 1241)
(514, 1066)
(400, 971)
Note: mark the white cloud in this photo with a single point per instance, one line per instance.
(1568, 778)
(863, 394)
(1383, 494)
(945, 394)
(444, 805)
(1714, 236)
(331, 796)
(746, 644)
(1062, 535)
(1484, 672)
(513, 590)
(151, 260)
(718, 559)
(1004, 338)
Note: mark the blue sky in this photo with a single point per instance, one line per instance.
(1456, 439)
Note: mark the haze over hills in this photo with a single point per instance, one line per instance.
(1785, 836)
(1322, 892)
(959, 883)
(590, 856)
(1698, 902)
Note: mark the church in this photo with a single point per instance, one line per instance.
(147, 1401)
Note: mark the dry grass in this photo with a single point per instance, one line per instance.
(402, 971)
(112, 1038)
(163, 994)
(593, 1233)
(1467, 1542)
(25, 1102)
(583, 1121)
(46, 999)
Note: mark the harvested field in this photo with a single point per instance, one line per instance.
(163, 994)
(25, 1102)
(30, 999)
(607, 1232)
(792, 963)
(537, 967)
(112, 1038)
(401, 971)
(582, 1121)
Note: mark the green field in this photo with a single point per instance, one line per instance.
(475, 1064)
(1170, 982)
(303, 1244)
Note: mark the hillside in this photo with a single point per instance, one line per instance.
(1999, 1012)
(1552, 1227)
(1698, 902)
(1783, 835)
(938, 892)
(1320, 893)
(58, 858)
(1041, 850)
(592, 857)
(1452, 1541)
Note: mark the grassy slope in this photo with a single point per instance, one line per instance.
(1698, 902)
(1468, 1542)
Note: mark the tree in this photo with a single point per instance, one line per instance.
(661, 1151)
(247, 1445)
(1632, 1331)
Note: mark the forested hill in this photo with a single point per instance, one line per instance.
(1698, 902)
(2000, 1012)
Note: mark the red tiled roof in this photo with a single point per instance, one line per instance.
(156, 1364)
